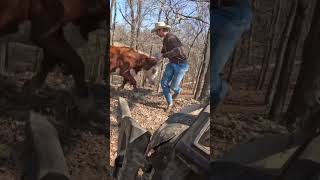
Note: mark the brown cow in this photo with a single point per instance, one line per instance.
(47, 18)
(127, 62)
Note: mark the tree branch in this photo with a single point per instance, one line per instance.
(124, 16)
(189, 17)
(194, 40)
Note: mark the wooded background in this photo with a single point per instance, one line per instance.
(272, 55)
(189, 21)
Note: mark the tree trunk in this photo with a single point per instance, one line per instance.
(162, 64)
(160, 10)
(279, 99)
(113, 7)
(283, 44)
(139, 22)
(206, 61)
(196, 72)
(305, 99)
(133, 25)
(205, 93)
(198, 77)
(273, 31)
(114, 21)
(250, 59)
(160, 75)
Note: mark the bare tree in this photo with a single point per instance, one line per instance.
(203, 71)
(133, 24)
(195, 38)
(139, 22)
(114, 7)
(162, 64)
(205, 93)
(306, 97)
(190, 31)
(280, 96)
(273, 36)
(281, 52)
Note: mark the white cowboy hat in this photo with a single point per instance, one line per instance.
(160, 25)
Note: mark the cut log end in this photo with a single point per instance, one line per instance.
(124, 108)
(49, 157)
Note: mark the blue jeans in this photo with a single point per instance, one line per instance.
(172, 78)
(229, 23)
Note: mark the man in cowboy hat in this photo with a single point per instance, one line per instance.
(177, 66)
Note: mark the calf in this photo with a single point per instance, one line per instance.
(127, 62)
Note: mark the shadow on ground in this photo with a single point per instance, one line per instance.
(135, 97)
(80, 138)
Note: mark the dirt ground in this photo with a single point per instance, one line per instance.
(148, 110)
(242, 116)
(83, 143)
(240, 119)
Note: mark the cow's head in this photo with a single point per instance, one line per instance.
(151, 69)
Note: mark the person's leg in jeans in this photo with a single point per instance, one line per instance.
(228, 26)
(179, 72)
(165, 82)
(224, 44)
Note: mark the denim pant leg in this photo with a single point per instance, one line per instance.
(165, 82)
(224, 43)
(179, 72)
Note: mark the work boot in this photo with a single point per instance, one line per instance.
(175, 95)
(169, 108)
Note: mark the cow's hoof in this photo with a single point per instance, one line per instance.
(120, 88)
(169, 108)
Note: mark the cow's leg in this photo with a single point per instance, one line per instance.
(127, 77)
(57, 47)
(124, 82)
(47, 33)
(47, 64)
(132, 81)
